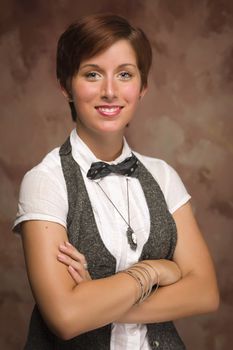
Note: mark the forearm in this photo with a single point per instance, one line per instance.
(189, 296)
(92, 304)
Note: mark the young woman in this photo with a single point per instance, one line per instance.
(112, 249)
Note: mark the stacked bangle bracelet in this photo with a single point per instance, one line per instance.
(142, 276)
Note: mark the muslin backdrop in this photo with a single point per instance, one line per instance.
(185, 119)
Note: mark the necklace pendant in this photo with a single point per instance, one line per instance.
(132, 238)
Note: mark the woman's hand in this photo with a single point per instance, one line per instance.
(75, 261)
(169, 271)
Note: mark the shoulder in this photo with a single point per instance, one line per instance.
(49, 168)
(168, 180)
(50, 162)
(158, 168)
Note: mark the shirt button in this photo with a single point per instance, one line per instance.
(156, 343)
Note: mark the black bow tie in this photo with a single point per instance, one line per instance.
(101, 169)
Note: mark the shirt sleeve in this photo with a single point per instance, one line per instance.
(175, 192)
(41, 197)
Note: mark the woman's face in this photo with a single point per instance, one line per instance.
(106, 91)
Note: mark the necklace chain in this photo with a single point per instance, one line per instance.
(127, 187)
(132, 239)
(127, 222)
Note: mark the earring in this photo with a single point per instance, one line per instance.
(70, 98)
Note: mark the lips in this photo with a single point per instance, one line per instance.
(109, 111)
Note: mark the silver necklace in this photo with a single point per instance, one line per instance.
(131, 236)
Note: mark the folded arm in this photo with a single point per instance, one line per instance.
(70, 309)
(196, 292)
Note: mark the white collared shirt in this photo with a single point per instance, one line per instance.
(43, 196)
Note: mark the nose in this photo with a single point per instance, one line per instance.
(109, 89)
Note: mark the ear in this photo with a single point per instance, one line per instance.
(65, 93)
(143, 92)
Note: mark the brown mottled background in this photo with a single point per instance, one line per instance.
(186, 119)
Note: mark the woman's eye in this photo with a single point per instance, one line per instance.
(125, 75)
(92, 76)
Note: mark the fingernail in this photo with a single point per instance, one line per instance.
(68, 244)
(61, 257)
(62, 246)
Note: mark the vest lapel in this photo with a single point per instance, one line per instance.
(81, 225)
(163, 236)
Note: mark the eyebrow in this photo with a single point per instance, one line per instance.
(96, 65)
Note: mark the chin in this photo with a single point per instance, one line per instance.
(113, 128)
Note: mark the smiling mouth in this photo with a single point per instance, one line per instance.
(109, 110)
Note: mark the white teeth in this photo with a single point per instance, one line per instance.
(109, 110)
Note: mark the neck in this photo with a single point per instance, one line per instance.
(106, 148)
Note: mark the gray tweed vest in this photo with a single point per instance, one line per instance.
(83, 234)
